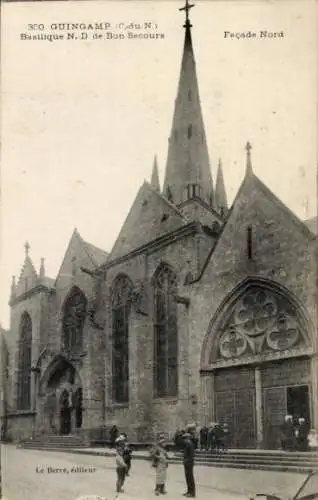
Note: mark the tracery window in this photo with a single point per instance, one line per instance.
(75, 310)
(121, 296)
(24, 363)
(165, 334)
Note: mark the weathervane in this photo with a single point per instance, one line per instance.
(186, 8)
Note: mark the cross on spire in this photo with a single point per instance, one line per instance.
(186, 8)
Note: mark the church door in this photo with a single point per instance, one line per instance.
(298, 402)
(65, 414)
(235, 404)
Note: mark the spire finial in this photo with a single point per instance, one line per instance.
(13, 287)
(155, 176)
(42, 269)
(186, 8)
(27, 248)
(220, 193)
(248, 149)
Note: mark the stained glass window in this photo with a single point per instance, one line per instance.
(24, 365)
(165, 334)
(121, 296)
(75, 310)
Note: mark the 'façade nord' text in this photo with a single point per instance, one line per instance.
(253, 34)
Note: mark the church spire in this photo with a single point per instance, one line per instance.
(188, 171)
(249, 169)
(155, 176)
(220, 193)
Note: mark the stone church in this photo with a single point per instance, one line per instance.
(200, 312)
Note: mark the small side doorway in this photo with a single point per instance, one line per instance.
(65, 414)
(298, 402)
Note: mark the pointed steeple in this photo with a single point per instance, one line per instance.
(249, 169)
(220, 193)
(13, 288)
(28, 277)
(155, 176)
(188, 171)
(42, 270)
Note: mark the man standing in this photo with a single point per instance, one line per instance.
(188, 462)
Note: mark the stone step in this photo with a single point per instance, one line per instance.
(252, 458)
(276, 467)
(253, 453)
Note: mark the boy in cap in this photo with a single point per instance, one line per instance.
(120, 463)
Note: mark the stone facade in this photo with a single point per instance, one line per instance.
(245, 301)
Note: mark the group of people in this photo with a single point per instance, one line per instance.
(294, 434)
(159, 461)
(209, 438)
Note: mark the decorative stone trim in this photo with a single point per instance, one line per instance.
(258, 358)
(34, 291)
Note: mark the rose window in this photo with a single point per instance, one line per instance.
(255, 313)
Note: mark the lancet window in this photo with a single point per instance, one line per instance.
(121, 298)
(165, 334)
(24, 363)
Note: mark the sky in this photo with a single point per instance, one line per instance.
(83, 119)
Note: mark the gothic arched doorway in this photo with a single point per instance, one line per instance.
(62, 387)
(256, 358)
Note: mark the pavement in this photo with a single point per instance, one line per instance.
(45, 475)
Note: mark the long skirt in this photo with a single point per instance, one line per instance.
(161, 473)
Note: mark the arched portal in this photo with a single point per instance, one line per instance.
(257, 356)
(61, 388)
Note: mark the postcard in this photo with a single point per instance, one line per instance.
(159, 249)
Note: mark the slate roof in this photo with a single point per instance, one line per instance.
(312, 224)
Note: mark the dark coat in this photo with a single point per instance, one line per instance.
(188, 451)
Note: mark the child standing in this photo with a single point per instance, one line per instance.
(160, 462)
(120, 463)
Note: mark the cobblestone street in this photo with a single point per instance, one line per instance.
(26, 475)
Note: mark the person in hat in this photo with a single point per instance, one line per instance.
(188, 463)
(301, 434)
(121, 467)
(288, 434)
(160, 462)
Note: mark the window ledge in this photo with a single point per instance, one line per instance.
(118, 405)
(166, 399)
(20, 413)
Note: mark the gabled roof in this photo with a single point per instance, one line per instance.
(271, 196)
(97, 255)
(251, 182)
(151, 215)
(93, 255)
